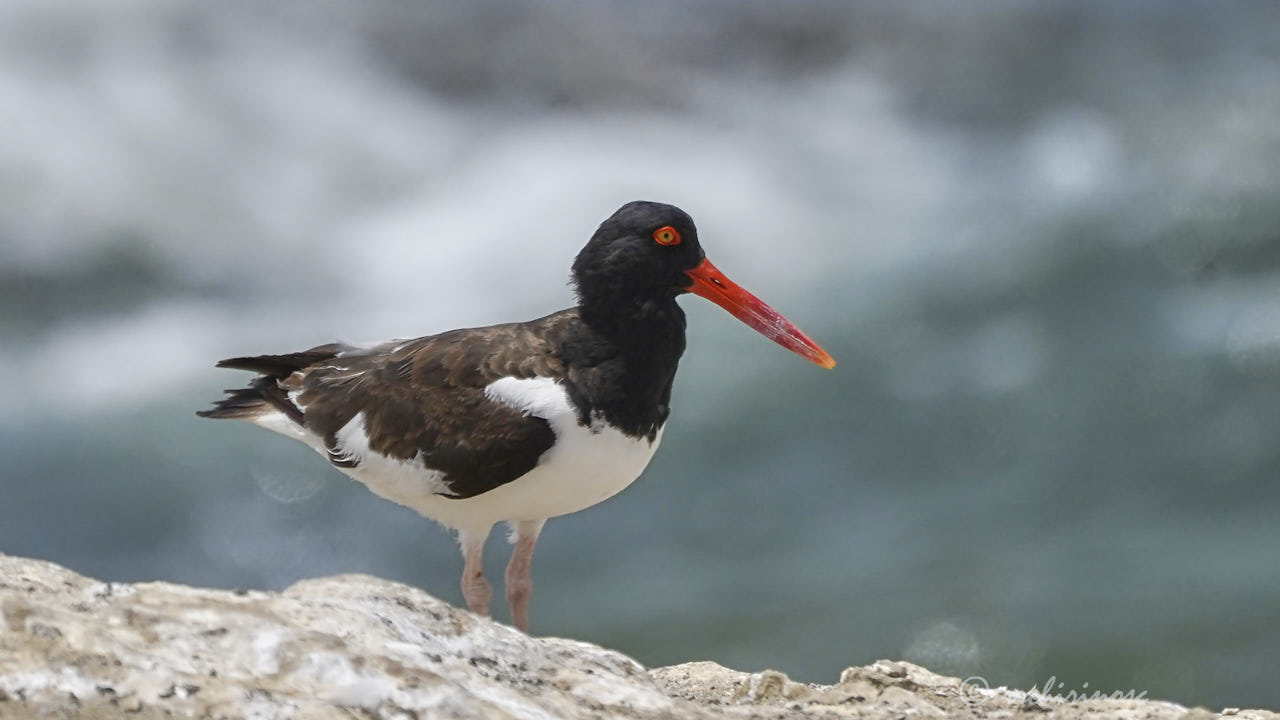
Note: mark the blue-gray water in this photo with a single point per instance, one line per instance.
(1043, 241)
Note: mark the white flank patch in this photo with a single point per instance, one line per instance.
(584, 467)
(402, 481)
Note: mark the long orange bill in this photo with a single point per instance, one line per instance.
(710, 283)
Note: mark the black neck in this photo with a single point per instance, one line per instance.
(625, 362)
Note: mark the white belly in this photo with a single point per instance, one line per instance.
(584, 467)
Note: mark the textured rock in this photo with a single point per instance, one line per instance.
(360, 647)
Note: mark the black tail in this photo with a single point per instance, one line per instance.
(264, 394)
(282, 366)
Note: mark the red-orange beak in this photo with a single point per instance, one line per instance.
(712, 284)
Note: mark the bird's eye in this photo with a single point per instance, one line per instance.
(666, 235)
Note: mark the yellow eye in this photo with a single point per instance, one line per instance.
(666, 235)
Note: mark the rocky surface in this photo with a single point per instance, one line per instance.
(359, 647)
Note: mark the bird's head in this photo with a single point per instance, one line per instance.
(650, 250)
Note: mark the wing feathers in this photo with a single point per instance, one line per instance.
(421, 400)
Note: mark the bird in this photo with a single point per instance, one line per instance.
(519, 422)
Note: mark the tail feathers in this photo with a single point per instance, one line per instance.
(263, 396)
(282, 366)
(242, 404)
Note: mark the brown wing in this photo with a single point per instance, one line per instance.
(425, 399)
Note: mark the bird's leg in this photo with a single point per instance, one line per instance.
(475, 588)
(519, 577)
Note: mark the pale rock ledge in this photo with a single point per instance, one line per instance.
(359, 647)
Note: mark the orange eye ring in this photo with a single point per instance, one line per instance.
(666, 235)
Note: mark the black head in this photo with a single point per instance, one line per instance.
(646, 254)
(643, 251)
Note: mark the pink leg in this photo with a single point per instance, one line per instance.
(519, 576)
(475, 589)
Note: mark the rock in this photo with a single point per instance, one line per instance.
(358, 647)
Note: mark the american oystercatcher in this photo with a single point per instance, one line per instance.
(519, 422)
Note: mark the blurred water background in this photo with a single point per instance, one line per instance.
(1042, 239)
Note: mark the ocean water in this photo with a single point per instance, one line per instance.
(1043, 241)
